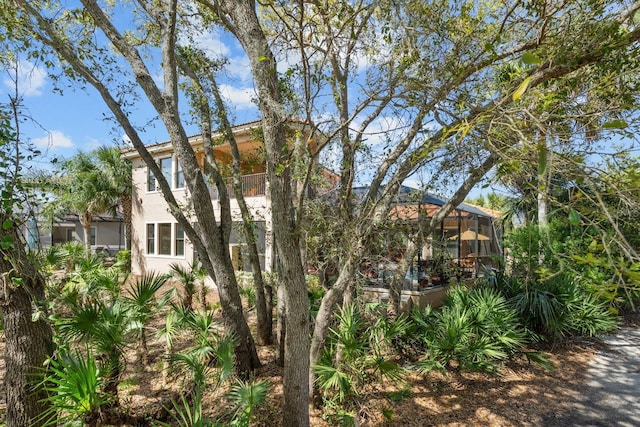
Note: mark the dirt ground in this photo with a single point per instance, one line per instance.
(522, 395)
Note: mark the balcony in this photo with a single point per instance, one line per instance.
(254, 185)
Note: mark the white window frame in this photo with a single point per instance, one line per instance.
(152, 182)
(177, 172)
(150, 226)
(173, 227)
(171, 176)
(169, 238)
(177, 239)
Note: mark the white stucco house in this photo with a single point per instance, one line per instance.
(157, 240)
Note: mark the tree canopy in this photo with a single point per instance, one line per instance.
(446, 89)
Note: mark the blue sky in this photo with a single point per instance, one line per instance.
(73, 120)
(60, 124)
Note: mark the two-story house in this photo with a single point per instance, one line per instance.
(157, 240)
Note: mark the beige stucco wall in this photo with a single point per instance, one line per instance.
(150, 207)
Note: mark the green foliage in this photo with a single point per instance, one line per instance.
(315, 292)
(592, 235)
(187, 276)
(556, 306)
(247, 288)
(73, 251)
(359, 350)
(189, 415)
(211, 357)
(54, 257)
(142, 294)
(74, 387)
(123, 261)
(143, 304)
(476, 329)
(245, 397)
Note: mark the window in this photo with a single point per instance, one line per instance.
(166, 166)
(179, 176)
(94, 236)
(151, 181)
(151, 238)
(179, 240)
(164, 239)
(70, 235)
(172, 172)
(167, 239)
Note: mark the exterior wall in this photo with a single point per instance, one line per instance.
(109, 234)
(149, 207)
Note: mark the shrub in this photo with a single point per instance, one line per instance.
(358, 351)
(123, 261)
(73, 384)
(476, 329)
(557, 306)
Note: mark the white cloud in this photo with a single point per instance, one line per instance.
(383, 130)
(239, 68)
(239, 97)
(93, 143)
(54, 139)
(30, 78)
(212, 43)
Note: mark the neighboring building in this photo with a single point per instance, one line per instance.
(107, 232)
(157, 240)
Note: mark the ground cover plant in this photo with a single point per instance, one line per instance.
(112, 331)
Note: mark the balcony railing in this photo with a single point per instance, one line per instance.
(252, 185)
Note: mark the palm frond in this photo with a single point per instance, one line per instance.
(245, 397)
(332, 380)
(73, 384)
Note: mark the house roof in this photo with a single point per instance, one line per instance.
(412, 202)
(239, 129)
(71, 217)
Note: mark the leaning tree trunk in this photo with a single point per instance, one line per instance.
(28, 343)
(282, 325)
(397, 280)
(246, 27)
(263, 310)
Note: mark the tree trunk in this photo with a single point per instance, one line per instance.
(263, 313)
(203, 294)
(244, 24)
(245, 351)
(127, 214)
(324, 317)
(264, 322)
(143, 349)
(28, 343)
(397, 280)
(542, 195)
(85, 220)
(543, 181)
(282, 325)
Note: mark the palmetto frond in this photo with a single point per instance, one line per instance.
(73, 383)
(245, 397)
(143, 291)
(331, 379)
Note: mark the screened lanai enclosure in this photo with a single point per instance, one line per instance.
(465, 245)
